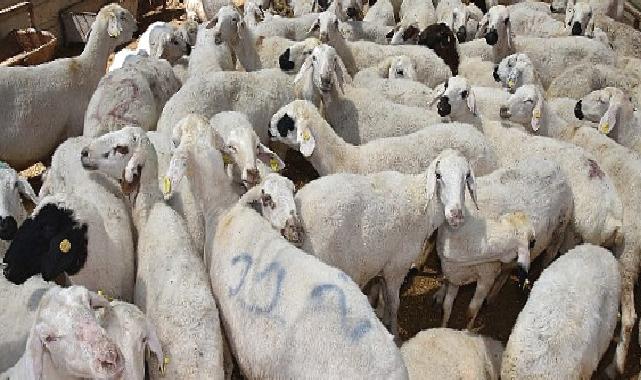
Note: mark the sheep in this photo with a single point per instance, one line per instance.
(466, 104)
(578, 81)
(203, 10)
(291, 28)
(230, 27)
(344, 9)
(514, 71)
(623, 167)
(364, 31)
(460, 18)
(12, 211)
(415, 15)
(76, 346)
(133, 95)
(440, 38)
(291, 60)
(357, 55)
(40, 113)
(17, 316)
(623, 38)
(611, 8)
(170, 273)
(366, 213)
(615, 114)
(526, 22)
(569, 319)
(243, 148)
(207, 56)
(495, 27)
(429, 355)
(524, 209)
(381, 13)
(528, 107)
(98, 203)
(133, 333)
(409, 154)
(356, 115)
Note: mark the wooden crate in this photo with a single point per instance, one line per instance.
(27, 47)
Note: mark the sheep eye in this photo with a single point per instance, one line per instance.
(313, 58)
(467, 176)
(50, 338)
(121, 149)
(464, 94)
(438, 176)
(105, 155)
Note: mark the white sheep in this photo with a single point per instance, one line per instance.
(623, 167)
(579, 80)
(523, 210)
(569, 319)
(274, 295)
(66, 341)
(357, 115)
(131, 96)
(447, 354)
(300, 125)
(615, 114)
(611, 8)
(44, 104)
(133, 333)
(528, 107)
(207, 56)
(17, 316)
(357, 55)
(363, 216)
(462, 19)
(171, 283)
(515, 71)
(12, 211)
(291, 28)
(381, 13)
(527, 22)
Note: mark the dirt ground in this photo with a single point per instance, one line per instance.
(417, 311)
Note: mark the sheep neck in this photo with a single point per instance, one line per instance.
(245, 49)
(331, 154)
(501, 49)
(98, 47)
(345, 52)
(149, 193)
(430, 214)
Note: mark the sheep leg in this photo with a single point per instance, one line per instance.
(440, 295)
(392, 301)
(628, 316)
(452, 291)
(483, 286)
(498, 284)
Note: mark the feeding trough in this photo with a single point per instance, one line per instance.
(24, 47)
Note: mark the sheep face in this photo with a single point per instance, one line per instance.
(349, 10)
(12, 212)
(289, 125)
(447, 177)
(327, 27)
(326, 70)
(558, 6)
(245, 150)
(495, 25)
(228, 26)
(524, 106)
(603, 107)
(67, 330)
(400, 67)
(442, 41)
(578, 19)
(514, 71)
(189, 30)
(457, 99)
(120, 23)
(117, 154)
(50, 242)
(278, 207)
(171, 47)
(293, 57)
(525, 241)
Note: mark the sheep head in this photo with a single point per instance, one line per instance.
(327, 72)
(67, 330)
(293, 57)
(525, 106)
(397, 67)
(275, 196)
(446, 177)
(12, 212)
(605, 107)
(290, 125)
(228, 26)
(326, 25)
(495, 26)
(403, 34)
(515, 71)
(119, 23)
(456, 99)
(441, 40)
(51, 242)
(579, 20)
(524, 233)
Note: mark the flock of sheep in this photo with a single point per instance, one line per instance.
(164, 243)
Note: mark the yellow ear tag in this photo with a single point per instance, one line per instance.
(227, 159)
(65, 246)
(166, 185)
(273, 163)
(536, 114)
(165, 363)
(604, 128)
(306, 135)
(510, 83)
(99, 292)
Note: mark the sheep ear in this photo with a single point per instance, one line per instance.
(432, 183)
(270, 158)
(609, 119)
(342, 76)
(212, 23)
(315, 26)
(307, 65)
(131, 176)
(35, 347)
(471, 101)
(471, 187)
(252, 195)
(306, 141)
(482, 27)
(384, 66)
(508, 27)
(439, 90)
(589, 29)
(241, 29)
(537, 112)
(25, 189)
(114, 27)
(153, 344)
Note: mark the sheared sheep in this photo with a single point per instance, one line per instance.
(43, 105)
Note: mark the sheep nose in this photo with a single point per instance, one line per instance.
(351, 12)
(495, 74)
(461, 34)
(84, 152)
(444, 108)
(492, 37)
(578, 111)
(576, 29)
(504, 112)
(326, 83)
(8, 227)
